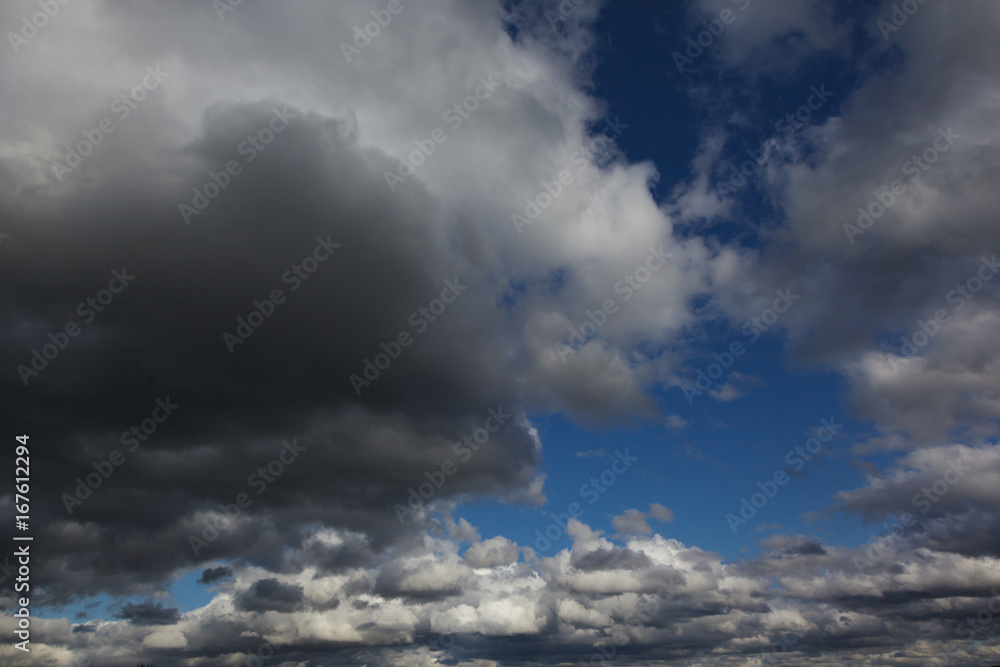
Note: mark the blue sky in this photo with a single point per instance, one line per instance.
(779, 217)
(728, 447)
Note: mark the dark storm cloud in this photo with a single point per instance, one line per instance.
(270, 595)
(149, 613)
(610, 559)
(161, 339)
(353, 552)
(971, 533)
(214, 574)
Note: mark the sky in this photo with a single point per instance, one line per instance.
(499, 332)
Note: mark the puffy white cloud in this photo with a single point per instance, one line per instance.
(492, 552)
(634, 522)
(165, 639)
